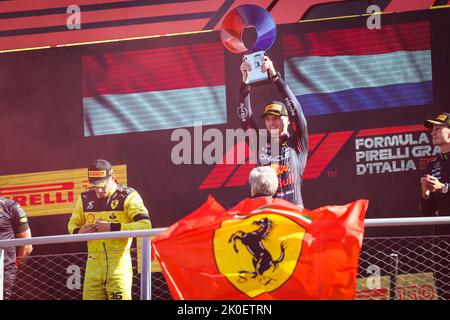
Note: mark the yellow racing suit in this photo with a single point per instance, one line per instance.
(109, 273)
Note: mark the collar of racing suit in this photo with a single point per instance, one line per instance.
(111, 192)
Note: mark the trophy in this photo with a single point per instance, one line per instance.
(232, 31)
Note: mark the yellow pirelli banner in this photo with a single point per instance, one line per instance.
(50, 192)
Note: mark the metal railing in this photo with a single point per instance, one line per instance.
(413, 267)
(145, 250)
(407, 267)
(398, 222)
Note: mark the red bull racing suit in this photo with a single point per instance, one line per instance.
(290, 162)
(109, 270)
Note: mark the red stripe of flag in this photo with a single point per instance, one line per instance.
(390, 38)
(158, 69)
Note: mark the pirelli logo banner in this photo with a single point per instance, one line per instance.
(51, 192)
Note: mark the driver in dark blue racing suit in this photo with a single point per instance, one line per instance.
(289, 160)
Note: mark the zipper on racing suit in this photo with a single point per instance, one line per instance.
(107, 265)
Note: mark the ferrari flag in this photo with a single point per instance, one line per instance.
(263, 248)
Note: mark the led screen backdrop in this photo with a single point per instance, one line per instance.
(153, 89)
(365, 94)
(360, 69)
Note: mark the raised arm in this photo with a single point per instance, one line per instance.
(244, 109)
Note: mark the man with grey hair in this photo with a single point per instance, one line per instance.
(263, 182)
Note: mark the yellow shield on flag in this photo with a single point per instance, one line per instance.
(259, 253)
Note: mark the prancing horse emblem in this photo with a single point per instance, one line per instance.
(262, 259)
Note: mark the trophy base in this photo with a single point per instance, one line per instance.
(256, 60)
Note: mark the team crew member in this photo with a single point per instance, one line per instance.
(290, 161)
(435, 200)
(108, 206)
(13, 224)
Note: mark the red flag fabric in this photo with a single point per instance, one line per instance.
(263, 248)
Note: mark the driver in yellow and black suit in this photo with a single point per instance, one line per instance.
(108, 206)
